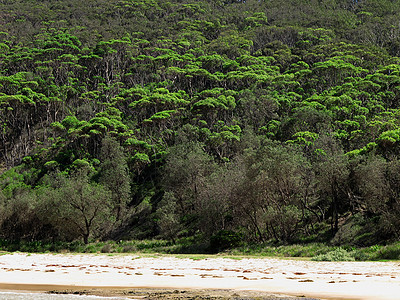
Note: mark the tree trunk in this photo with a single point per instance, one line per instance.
(86, 238)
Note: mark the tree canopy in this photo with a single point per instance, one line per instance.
(275, 120)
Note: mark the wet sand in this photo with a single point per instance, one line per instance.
(147, 293)
(168, 277)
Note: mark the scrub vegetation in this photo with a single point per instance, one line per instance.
(205, 125)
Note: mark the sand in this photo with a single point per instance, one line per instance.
(128, 274)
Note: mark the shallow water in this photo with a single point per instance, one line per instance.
(41, 296)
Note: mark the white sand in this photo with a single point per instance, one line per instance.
(338, 280)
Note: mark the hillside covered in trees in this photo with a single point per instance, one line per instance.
(257, 120)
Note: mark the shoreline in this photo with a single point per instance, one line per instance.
(127, 275)
(146, 292)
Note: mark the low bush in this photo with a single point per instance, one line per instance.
(225, 239)
(338, 254)
(387, 252)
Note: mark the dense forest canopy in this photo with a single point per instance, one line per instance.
(264, 120)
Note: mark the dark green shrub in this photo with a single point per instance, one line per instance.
(388, 252)
(225, 239)
(360, 255)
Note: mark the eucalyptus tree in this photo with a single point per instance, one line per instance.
(77, 207)
(114, 175)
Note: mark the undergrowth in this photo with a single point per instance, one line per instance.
(315, 251)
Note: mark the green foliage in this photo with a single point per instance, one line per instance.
(296, 250)
(114, 175)
(391, 252)
(168, 218)
(76, 207)
(338, 254)
(185, 119)
(225, 239)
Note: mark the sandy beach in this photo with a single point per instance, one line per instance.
(132, 275)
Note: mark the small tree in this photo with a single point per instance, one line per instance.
(78, 207)
(115, 176)
(185, 172)
(168, 219)
(332, 173)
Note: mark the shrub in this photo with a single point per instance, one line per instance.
(129, 249)
(225, 239)
(338, 254)
(388, 252)
(107, 248)
(91, 248)
(361, 255)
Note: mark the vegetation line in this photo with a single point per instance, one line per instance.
(183, 249)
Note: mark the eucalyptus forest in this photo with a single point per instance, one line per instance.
(254, 121)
